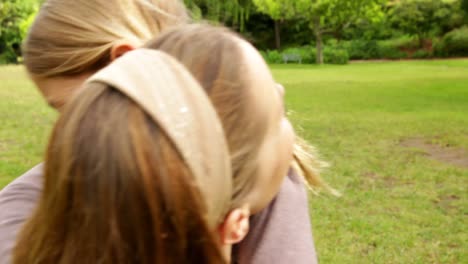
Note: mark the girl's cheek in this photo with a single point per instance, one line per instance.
(288, 135)
(285, 147)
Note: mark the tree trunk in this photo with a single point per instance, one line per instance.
(421, 40)
(318, 40)
(278, 34)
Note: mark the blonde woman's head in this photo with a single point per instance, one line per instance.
(248, 101)
(71, 39)
(129, 176)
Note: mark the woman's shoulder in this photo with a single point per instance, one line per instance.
(17, 201)
(281, 233)
(28, 183)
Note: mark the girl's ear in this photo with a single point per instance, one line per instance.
(120, 48)
(235, 226)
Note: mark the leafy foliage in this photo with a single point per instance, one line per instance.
(278, 9)
(336, 56)
(362, 49)
(332, 55)
(307, 53)
(464, 6)
(425, 17)
(421, 54)
(453, 44)
(15, 17)
(324, 16)
(272, 56)
(232, 12)
(366, 29)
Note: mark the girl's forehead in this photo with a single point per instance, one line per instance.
(263, 88)
(256, 66)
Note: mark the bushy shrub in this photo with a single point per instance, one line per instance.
(335, 56)
(391, 53)
(401, 43)
(272, 56)
(393, 49)
(362, 49)
(293, 51)
(372, 49)
(421, 54)
(438, 49)
(9, 56)
(307, 53)
(453, 44)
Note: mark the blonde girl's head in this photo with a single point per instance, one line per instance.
(248, 102)
(250, 105)
(70, 37)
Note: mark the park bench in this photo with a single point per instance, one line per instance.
(292, 57)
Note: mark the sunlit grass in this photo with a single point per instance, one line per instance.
(398, 206)
(25, 121)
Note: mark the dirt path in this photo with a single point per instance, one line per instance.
(454, 156)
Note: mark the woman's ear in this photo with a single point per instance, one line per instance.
(120, 48)
(235, 226)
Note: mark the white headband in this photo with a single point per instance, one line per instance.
(177, 103)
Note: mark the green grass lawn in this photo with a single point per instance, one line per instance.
(25, 123)
(401, 203)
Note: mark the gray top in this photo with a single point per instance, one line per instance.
(17, 202)
(281, 233)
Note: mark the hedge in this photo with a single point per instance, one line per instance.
(453, 44)
(308, 55)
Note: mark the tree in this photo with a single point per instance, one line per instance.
(14, 17)
(233, 12)
(324, 16)
(334, 16)
(449, 16)
(278, 10)
(464, 8)
(425, 17)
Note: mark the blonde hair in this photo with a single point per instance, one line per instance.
(307, 164)
(71, 37)
(208, 53)
(118, 188)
